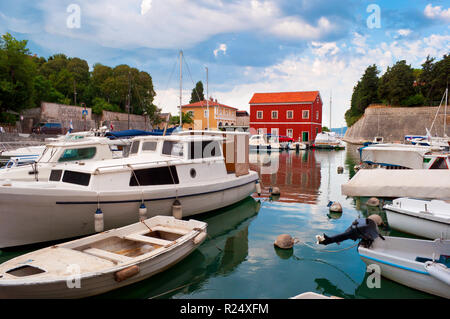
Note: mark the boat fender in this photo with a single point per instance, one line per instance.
(177, 210)
(284, 241)
(258, 188)
(373, 202)
(335, 207)
(126, 273)
(199, 238)
(98, 221)
(142, 212)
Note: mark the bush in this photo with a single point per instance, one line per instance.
(100, 104)
(414, 100)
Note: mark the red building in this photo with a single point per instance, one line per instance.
(294, 114)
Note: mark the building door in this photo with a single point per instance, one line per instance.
(305, 136)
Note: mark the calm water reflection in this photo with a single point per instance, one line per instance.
(238, 260)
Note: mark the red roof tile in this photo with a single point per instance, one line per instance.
(284, 97)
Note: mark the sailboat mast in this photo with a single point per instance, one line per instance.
(445, 112)
(207, 99)
(181, 87)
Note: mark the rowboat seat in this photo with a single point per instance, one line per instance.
(148, 240)
(107, 255)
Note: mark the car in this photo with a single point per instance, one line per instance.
(48, 128)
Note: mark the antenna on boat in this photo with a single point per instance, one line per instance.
(331, 94)
(445, 111)
(181, 88)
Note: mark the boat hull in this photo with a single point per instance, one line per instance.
(50, 214)
(98, 282)
(415, 225)
(404, 270)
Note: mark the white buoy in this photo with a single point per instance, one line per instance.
(142, 212)
(336, 207)
(177, 210)
(258, 188)
(98, 221)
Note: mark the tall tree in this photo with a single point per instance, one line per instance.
(197, 94)
(17, 72)
(397, 84)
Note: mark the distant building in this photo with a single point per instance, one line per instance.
(220, 115)
(294, 114)
(242, 118)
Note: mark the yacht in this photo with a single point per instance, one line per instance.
(264, 142)
(180, 175)
(328, 140)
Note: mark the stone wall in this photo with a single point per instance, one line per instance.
(393, 123)
(61, 113)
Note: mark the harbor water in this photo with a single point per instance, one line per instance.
(239, 260)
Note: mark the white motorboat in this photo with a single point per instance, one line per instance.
(407, 261)
(424, 218)
(102, 262)
(296, 146)
(328, 140)
(405, 156)
(262, 142)
(59, 154)
(161, 172)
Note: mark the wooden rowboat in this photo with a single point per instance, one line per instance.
(102, 262)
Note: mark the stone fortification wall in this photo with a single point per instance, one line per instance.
(393, 123)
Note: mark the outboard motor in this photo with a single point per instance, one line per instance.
(364, 229)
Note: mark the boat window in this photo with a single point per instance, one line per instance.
(204, 149)
(149, 146)
(77, 154)
(55, 175)
(76, 178)
(154, 176)
(134, 147)
(172, 148)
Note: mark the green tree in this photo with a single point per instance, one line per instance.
(396, 85)
(17, 72)
(187, 119)
(197, 94)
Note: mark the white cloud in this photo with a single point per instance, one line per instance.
(175, 24)
(337, 72)
(221, 48)
(404, 32)
(146, 5)
(437, 12)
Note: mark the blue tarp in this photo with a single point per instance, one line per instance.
(133, 133)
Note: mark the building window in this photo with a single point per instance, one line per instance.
(206, 113)
(317, 115)
(290, 114)
(274, 114)
(290, 132)
(259, 115)
(305, 114)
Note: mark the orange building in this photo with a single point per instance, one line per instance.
(220, 115)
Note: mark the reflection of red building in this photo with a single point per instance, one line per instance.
(293, 114)
(298, 176)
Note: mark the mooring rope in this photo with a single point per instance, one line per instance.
(297, 241)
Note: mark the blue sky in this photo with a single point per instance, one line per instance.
(248, 45)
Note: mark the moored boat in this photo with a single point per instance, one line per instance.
(404, 260)
(161, 172)
(102, 262)
(328, 140)
(424, 218)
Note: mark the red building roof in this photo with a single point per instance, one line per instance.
(211, 103)
(284, 97)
